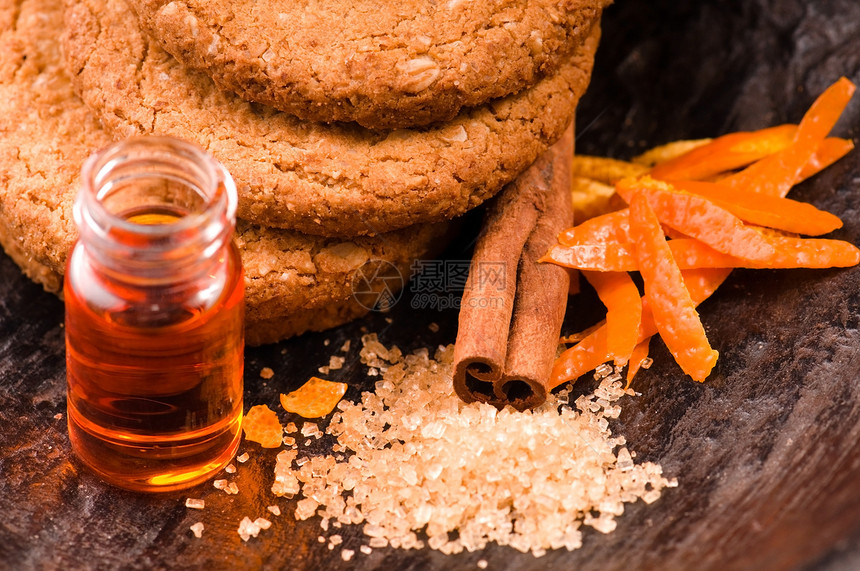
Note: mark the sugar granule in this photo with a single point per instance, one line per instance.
(197, 529)
(274, 509)
(422, 461)
(248, 529)
(346, 554)
(310, 429)
(195, 504)
(230, 468)
(242, 458)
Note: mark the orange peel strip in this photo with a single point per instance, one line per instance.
(672, 308)
(592, 351)
(623, 311)
(698, 217)
(639, 355)
(726, 153)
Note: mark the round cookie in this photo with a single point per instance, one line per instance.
(383, 64)
(294, 282)
(336, 180)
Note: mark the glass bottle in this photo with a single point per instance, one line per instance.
(154, 316)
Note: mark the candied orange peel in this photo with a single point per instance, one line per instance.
(261, 425)
(697, 210)
(314, 399)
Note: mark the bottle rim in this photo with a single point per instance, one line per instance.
(219, 189)
(210, 223)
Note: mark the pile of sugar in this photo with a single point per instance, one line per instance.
(417, 466)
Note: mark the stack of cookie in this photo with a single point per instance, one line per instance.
(354, 130)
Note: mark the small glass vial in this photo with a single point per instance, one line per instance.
(154, 316)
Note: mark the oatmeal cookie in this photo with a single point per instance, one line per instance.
(382, 64)
(294, 282)
(335, 180)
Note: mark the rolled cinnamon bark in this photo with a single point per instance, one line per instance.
(512, 307)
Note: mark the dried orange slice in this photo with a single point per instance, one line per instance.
(314, 399)
(261, 425)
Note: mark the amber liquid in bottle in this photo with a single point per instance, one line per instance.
(154, 364)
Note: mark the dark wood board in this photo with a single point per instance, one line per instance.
(767, 451)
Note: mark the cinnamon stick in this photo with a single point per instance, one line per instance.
(512, 307)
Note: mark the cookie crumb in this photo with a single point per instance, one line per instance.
(267, 373)
(434, 327)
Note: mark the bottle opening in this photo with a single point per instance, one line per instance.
(154, 181)
(149, 197)
(154, 201)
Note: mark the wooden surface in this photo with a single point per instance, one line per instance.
(767, 451)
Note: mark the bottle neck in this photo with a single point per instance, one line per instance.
(154, 209)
